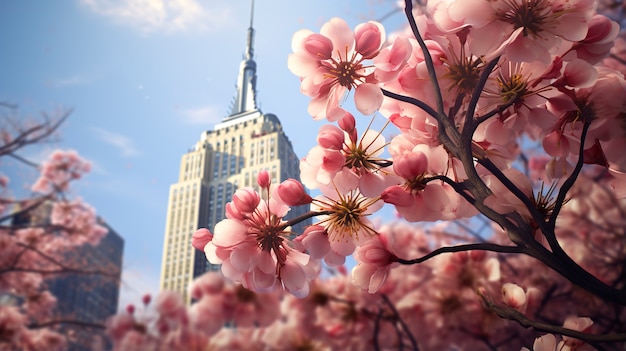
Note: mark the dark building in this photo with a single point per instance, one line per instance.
(85, 300)
(90, 298)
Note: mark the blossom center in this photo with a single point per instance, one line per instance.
(346, 73)
(357, 158)
(464, 73)
(346, 215)
(531, 15)
(269, 235)
(512, 88)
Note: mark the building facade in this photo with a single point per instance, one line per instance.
(90, 298)
(84, 301)
(223, 160)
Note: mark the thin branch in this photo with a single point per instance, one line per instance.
(405, 327)
(66, 321)
(514, 315)
(34, 134)
(470, 125)
(569, 182)
(408, 10)
(304, 217)
(64, 270)
(59, 264)
(377, 329)
(465, 247)
(413, 101)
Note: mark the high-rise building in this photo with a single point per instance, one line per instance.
(84, 301)
(90, 298)
(224, 159)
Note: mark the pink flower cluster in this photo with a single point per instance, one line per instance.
(37, 239)
(59, 170)
(252, 243)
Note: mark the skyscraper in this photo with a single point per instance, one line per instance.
(84, 301)
(224, 159)
(90, 298)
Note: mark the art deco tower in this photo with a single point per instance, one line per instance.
(226, 158)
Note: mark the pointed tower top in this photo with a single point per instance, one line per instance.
(245, 100)
(249, 47)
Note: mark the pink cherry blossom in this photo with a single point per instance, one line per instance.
(514, 296)
(345, 218)
(327, 74)
(253, 248)
(61, 168)
(292, 193)
(201, 238)
(374, 262)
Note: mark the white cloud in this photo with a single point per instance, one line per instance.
(75, 80)
(206, 115)
(165, 15)
(123, 143)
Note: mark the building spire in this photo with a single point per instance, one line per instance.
(250, 48)
(245, 98)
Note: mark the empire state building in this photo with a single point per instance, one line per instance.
(224, 159)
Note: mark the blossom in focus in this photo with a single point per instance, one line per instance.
(252, 243)
(333, 62)
(344, 215)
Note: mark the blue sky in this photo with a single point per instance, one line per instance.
(144, 78)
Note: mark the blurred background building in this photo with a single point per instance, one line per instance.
(88, 294)
(90, 299)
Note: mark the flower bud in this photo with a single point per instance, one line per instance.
(347, 123)
(319, 46)
(246, 199)
(200, 238)
(369, 38)
(330, 137)
(292, 193)
(146, 298)
(397, 196)
(410, 165)
(263, 179)
(513, 295)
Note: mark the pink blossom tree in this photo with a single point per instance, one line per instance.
(505, 168)
(39, 232)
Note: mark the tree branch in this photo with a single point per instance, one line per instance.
(465, 247)
(514, 315)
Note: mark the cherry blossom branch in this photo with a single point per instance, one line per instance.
(515, 315)
(532, 209)
(59, 271)
(56, 262)
(495, 111)
(377, 329)
(470, 124)
(412, 101)
(408, 10)
(66, 321)
(569, 182)
(305, 216)
(33, 134)
(406, 329)
(465, 247)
